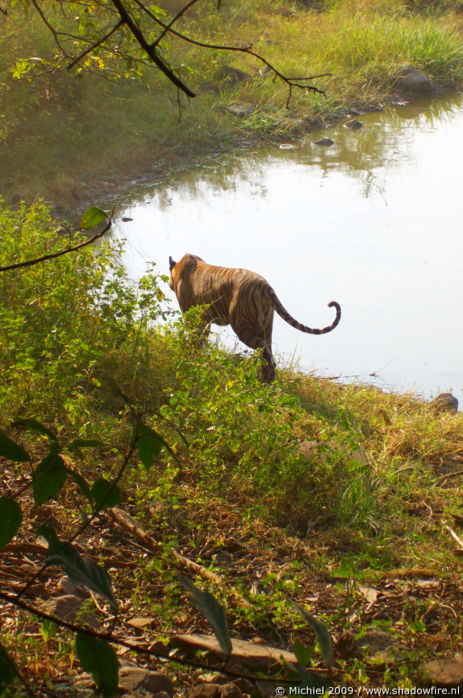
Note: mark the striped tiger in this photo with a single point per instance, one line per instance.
(236, 297)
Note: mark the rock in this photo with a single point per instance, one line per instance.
(354, 124)
(347, 647)
(67, 608)
(247, 656)
(240, 110)
(445, 402)
(411, 81)
(312, 122)
(126, 219)
(445, 671)
(215, 690)
(266, 688)
(380, 647)
(325, 142)
(233, 75)
(71, 589)
(135, 681)
(210, 88)
(140, 622)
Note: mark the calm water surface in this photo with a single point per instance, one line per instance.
(374, 222)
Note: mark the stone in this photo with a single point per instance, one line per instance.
(354, 124)
(68, 588)
(140, 622)
(325, 142)
(233, 75)
(135, 680)
(67, 608)
(380, 647)
(445, 672)
(411, 81)
(445, 402)
(240, 110)
(347, 647)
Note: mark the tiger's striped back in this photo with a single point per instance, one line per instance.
(238, 297)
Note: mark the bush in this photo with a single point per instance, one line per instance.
(65, 322)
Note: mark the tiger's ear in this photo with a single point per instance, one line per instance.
(171, 263)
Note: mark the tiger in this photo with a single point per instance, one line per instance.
(236, 297)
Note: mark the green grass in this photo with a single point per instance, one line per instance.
(304, 480)
(70, 139)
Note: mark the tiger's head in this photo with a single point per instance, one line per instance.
(171, 266)
(184, 268)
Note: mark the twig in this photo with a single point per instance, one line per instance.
(168, 27)
(442, 480)
(93, 46)
(290, 81)
(454, 535)
(126, 520)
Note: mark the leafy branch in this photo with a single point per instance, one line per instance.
(91, 218)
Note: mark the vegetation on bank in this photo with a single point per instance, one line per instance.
(67, 138)
(338, 497)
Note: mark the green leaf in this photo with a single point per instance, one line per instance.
(10, 517)
(77, 444)
(12, 450)
(34, 425)
(105, 495)
(92, 217)
(49, 477)
(149, 445)
(81, 484)
(303, 654)
(99, 659)
(116, 391)
(80, 571)
(321, 632)
(7, 670)
(309, 679)
(212, 611)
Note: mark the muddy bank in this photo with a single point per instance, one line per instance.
(118, 187)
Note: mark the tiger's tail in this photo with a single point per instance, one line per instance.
(283, 313)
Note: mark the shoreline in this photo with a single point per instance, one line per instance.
(114, 189)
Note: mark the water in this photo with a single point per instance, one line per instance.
(374, 222)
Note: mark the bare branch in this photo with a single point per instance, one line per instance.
(149, 50)
(167, 27)
(290, 81)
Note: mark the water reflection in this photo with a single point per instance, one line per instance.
(373, 222)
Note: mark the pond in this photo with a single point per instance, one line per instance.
(373, 221)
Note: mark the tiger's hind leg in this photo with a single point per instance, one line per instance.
(257, 335)
(268, 369)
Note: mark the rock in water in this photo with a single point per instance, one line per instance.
(411, 81)
(445, 402)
